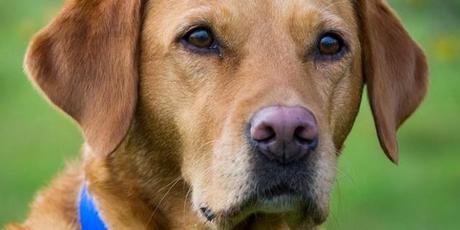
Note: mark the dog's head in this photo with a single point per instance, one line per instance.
(251, 100)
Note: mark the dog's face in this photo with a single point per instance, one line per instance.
(253, 99)
(212, 67)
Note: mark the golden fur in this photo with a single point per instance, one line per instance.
(164, 126)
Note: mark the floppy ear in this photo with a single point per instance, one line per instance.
(85, 62)
(395, 71)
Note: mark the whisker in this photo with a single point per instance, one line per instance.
(171, 185)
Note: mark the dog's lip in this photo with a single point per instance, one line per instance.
(277, 199)
(283, 203)
(279, 204)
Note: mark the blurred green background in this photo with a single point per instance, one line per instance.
(371, 193)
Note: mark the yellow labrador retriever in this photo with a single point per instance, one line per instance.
(226, 114)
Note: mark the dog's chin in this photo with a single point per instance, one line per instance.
(295, 209)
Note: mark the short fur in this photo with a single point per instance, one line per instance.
(165, 127)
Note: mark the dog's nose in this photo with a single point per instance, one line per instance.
(284, 134)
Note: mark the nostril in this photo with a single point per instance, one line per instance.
(306, 136)
(300, 137)
(263, 133)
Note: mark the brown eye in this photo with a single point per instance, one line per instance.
(201, 38)
(330, 45)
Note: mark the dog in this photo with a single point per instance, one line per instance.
(216, 114)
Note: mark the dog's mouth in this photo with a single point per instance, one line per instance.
(278, 199)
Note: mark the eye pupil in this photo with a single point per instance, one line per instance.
(200, 38)
(330, 45)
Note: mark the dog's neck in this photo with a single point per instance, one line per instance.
(132, 189)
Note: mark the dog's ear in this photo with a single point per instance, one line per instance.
(85, 62)
(394, 68)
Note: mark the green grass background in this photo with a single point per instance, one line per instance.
(423, 192)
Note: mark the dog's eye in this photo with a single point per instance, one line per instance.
(201, 38)
(330, 44)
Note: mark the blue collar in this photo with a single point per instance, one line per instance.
(89, 216)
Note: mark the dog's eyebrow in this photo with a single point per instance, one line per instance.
(178, 23)
(200, 15)
(308, 23)
(221, 19)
